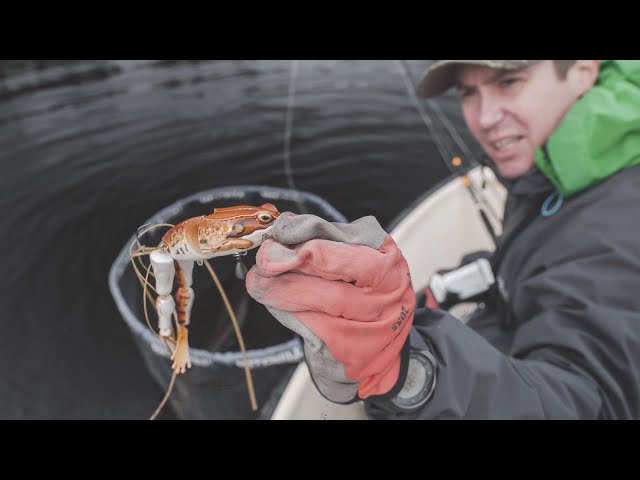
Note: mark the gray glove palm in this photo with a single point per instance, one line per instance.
(346, 290)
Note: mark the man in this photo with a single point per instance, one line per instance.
(559, 334)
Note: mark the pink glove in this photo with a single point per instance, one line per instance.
(346, 289)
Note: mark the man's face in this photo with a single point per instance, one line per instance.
(512, 113)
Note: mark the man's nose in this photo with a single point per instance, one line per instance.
(491, 112)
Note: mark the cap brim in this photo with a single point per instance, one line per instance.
(441, 76)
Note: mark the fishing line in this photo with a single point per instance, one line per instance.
(293, 73)
(455, 166)
(444, 150)
(288, 129)
(462, 145)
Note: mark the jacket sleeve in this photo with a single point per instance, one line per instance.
(575, 354)
(477, 381)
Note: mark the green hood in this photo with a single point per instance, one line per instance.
(600, 134)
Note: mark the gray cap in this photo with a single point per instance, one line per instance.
(440, 76)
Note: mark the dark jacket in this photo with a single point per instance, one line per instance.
(572, 290)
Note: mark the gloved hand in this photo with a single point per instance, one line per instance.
(346, 289)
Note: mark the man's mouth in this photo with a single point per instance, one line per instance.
(505, 143)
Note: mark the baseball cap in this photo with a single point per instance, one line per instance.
(440, 76)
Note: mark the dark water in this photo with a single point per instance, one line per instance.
(90, 149)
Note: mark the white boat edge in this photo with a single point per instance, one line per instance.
(449, 204)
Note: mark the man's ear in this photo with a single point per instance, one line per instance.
(583, 75)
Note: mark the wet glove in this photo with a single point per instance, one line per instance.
(346, 289)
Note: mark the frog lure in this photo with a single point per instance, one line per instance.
(226, 231)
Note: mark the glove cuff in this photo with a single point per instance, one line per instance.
(329, 376)
(418, 352)
(345, 393)
(402, 376)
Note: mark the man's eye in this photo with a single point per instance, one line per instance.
(509, 81)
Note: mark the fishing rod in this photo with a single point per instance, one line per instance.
(455, 165)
